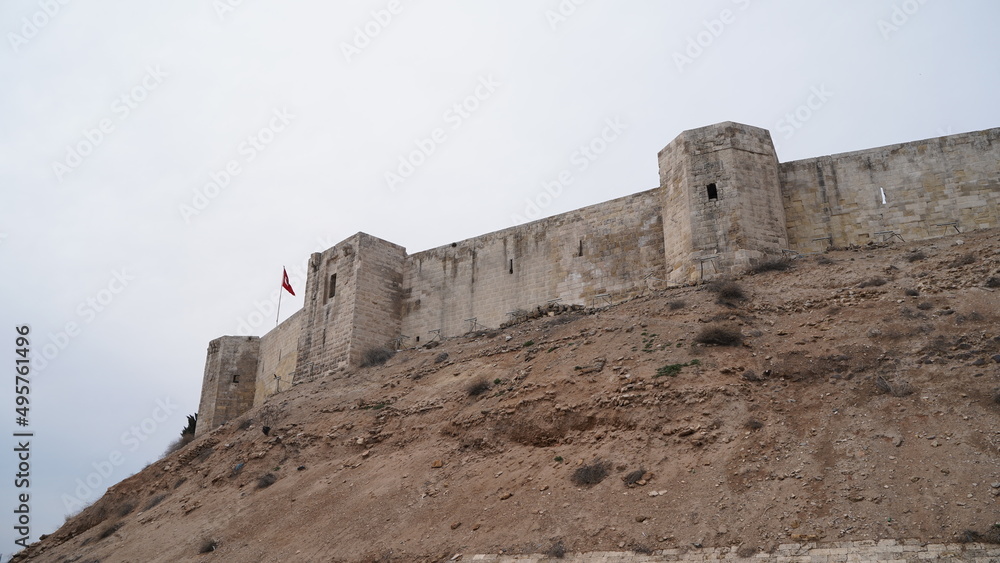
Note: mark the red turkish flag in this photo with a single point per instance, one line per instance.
(284, 282)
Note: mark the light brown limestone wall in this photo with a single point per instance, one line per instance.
(866, 551)
(357, 310)
(676, 232)
(325, 333)
(927, 183)
(609, 248)
(278, 351)
(228, 384)
(722, 192)
(377, 307)
(677, 214)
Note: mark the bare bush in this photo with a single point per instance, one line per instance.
(557, 551)
(894, 388)
(727, 291)
(154, 501)
(376, 356)
(872, 282)
(208, 545)
(824, 260)
(676, 305)
(179, 443)
(719, 335)
(963, 260)
(592, 473)
(266, 480)
(991, 535)
(478, 387)
(772, 265)
(110, 530)
(915, 256)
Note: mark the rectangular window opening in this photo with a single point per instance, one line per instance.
(581, 248)
(512, 265)
(332, 292)
(236, 378)
(713, 191)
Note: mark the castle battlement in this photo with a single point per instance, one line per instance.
(723, 204)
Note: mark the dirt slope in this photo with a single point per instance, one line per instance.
(847, 412)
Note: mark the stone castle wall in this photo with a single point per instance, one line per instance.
(605, 249)
(724, 203)
(863, 551)
(228, 387)
(722, 200)
(276, 358)
(929, 185)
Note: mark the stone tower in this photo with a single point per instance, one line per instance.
(353, 302)
(228, 386)
(722, 203)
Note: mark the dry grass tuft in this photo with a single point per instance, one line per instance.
(376, 356)
(592, 473)
(718, 335)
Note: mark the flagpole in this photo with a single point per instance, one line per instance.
(278, 315)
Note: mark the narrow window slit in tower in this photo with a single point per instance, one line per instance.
(333, 286)
(512, 265)
(581, 248)
(236, 378)
(713, 192)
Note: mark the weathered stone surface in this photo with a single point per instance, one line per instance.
(724, 203)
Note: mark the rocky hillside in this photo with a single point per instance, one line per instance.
(853, 395)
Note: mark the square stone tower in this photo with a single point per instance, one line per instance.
(722, 203)
(227, 389)
(353, 302)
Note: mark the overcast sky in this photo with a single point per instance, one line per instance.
(160, 163)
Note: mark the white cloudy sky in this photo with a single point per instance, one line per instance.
(118, 232)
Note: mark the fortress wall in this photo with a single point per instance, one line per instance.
(228, 384)
(926, 183)
(525, 266)
(722, 197)
(377, 308)
(722, 203)
(328, 306)
(278, 350)
(678, 234)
